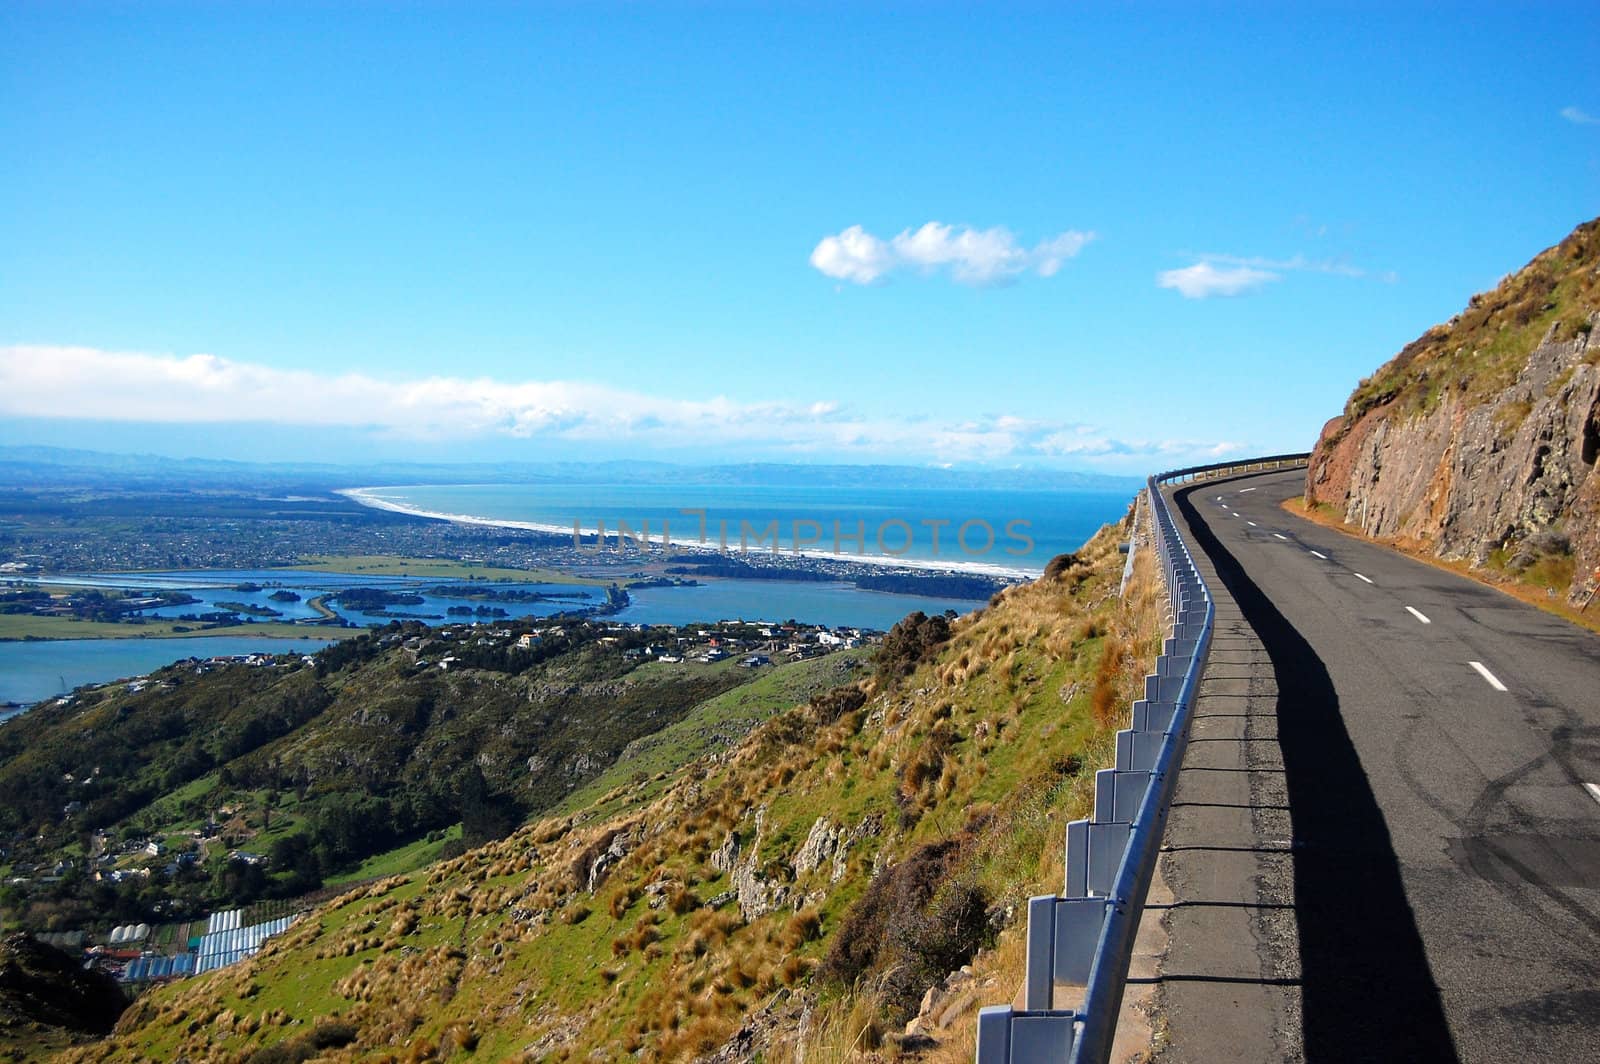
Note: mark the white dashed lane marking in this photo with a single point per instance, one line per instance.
(1243, 490)
(1252, 524)
(1321, 555)
(1281, 536)
(1368, 579)
(1593, 789)
(1493, 680)
(1418, 614)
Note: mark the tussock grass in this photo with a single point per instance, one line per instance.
(1479, 353)
(944, 780)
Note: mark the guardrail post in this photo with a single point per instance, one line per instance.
(994, 1035)
(1077, 860)
(1009, 1036)
(1107, 845)
(1078, 922)
(1158, 688)
(1137, 750)
(1118, 792)
(1152, 716)
(1173, 667)
(1044, 1039)
(1039, 984)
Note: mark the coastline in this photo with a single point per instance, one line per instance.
(364, 496)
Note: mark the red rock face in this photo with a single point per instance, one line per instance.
(1583, 523)
(1513, 472)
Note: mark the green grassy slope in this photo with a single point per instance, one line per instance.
(943, 782)
(331, 768)
(641, 771)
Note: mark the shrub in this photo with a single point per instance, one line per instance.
(940, 940)
(912, 640)
(829, 706)
(307, 1046)
(914, 925)
(1059, 564)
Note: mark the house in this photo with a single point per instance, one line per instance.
(755, 661)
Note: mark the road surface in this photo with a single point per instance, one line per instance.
(1440, 752)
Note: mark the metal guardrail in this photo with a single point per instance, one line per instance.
(1085, 936)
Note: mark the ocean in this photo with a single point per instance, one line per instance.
(35, 670)
(1010, 532)
(1013, 532)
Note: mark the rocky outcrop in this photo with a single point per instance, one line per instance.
(827, 844)
(596, 860)
(782, 1023)
(756, 894)
(1472, 447)
(606, 861)
(822, 844)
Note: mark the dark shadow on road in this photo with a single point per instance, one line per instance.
(1368, 992)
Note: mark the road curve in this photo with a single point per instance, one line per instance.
(1441, 751)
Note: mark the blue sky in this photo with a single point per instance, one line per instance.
(1128, 237)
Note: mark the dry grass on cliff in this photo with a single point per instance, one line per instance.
(1478, 353)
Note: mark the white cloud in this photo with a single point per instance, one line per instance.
(1083, 441)
(1298, 263)
(1579, 117)
(854, 255)
(971, 256)
(1232, 275)
(87, 383)
(124, 386)
(1204, 280)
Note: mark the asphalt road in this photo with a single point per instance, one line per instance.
(1441, 749)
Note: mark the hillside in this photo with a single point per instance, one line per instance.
(1478, 441)
(125, 804)
(47, 998)
(820, 883)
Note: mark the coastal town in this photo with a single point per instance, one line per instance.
(161, 883)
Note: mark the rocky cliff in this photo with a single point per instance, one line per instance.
(1479, 440)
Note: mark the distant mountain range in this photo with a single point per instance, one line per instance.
(34, 466)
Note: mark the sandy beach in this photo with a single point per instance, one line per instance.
(366, 497)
